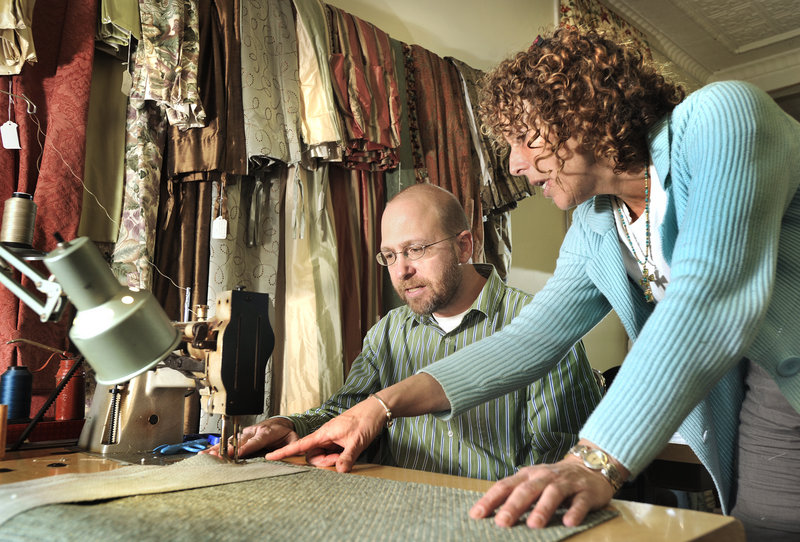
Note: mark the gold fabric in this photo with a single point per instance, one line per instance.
(312, 348)
(16, 35)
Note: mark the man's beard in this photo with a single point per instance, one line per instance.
(441, 293)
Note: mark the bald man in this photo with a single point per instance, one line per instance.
(449, 303)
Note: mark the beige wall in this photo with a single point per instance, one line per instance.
(482, 34)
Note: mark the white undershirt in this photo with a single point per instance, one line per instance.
(449, 323)
(656, 264)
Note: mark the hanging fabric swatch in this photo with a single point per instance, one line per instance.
(312, 350)
(358, 203)
(160, 73)
(270, 85)
(119, 21)
(440, 132)
(16, 35)
(182, 247)
(105, 151)
(219, 145)
(321, 124)
(500, 191)
(248, 255)
(365, 86)
(167, 71)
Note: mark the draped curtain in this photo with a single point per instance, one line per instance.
(49, 164)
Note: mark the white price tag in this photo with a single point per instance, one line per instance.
(9, 134)
(219, 228)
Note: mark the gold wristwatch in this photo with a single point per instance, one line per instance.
(597, 460)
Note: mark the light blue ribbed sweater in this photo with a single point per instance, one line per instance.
(729, 158)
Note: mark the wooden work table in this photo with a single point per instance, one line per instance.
(636, 521)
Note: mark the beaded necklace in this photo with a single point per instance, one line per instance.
(647, 277)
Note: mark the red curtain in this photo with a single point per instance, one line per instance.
(63, 34)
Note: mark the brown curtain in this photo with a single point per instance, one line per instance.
(358, 201)
(182, 245)
(442, 142)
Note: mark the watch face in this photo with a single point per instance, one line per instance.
(595, 459)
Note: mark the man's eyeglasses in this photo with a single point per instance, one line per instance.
(411, 252)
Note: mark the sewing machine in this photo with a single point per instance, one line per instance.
(224, 357)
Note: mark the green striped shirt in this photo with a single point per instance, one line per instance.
(536, 424)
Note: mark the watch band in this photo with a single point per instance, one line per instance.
(597, 460)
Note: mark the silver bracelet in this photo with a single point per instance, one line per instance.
(389, 418)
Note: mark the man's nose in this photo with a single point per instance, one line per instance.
(403, 267)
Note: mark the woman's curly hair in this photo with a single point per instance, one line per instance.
(582, 85)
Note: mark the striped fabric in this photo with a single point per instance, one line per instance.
(366, 89)
(531, 425)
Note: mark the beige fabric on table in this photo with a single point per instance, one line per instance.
(314, 505)
(197, 471)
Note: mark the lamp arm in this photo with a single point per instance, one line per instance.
(55, 302)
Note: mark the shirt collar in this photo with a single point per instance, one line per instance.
(487, 301)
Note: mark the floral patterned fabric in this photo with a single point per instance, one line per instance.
(593, 14)
(166, 72)
(164, 87)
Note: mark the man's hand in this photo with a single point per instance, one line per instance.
(268, 435)
(340, 441)
(542, 489)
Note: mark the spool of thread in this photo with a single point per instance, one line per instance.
(16, 385)
(70, 402)
(19, 216)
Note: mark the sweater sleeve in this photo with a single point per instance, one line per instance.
(527, 348)
(362, 380)
(731, 186)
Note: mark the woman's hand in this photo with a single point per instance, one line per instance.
(340, 441)
(544, 488)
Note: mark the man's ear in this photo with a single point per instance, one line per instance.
(464, 246)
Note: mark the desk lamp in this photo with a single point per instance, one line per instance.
(120, 332)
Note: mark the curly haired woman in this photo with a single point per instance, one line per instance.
(687, 224)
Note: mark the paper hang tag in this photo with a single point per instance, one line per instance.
(219, 228)
(127, 82)
(9, 134)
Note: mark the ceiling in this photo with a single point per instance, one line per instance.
(711, 40)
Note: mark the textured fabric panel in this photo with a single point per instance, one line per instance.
(315, 505)
(270, 85)
(197, 471)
